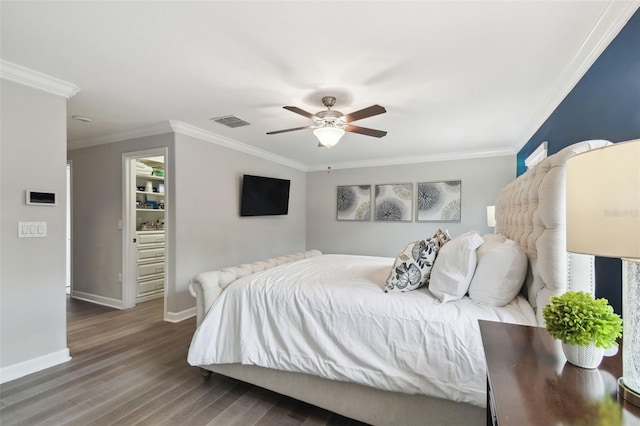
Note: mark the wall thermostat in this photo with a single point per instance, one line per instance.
(40, 198)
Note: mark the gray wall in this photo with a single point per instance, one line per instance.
(32, 270)
(210, 234)
(481, 180)
(205, 230)
(97, 207)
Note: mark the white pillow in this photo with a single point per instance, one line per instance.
(501, 270)
(454, 267)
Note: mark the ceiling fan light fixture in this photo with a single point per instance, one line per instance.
(330, 125)
(328, 136)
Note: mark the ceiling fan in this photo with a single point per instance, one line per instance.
(330, 125)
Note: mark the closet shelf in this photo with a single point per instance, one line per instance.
(150, 193)
(147, 177)
(150, 260)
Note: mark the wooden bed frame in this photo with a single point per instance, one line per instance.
(530, 210)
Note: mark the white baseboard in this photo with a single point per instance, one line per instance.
(180, 316)
(94, 298)
(115, 303)
(141, 299)
(34, 365)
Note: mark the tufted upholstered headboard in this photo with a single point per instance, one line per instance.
(531, 210)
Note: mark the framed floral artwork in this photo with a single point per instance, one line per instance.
(354, 202)
(439, 201)
(394, 202)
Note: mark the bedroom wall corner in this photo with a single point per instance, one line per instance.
(32, 270)
(209, 232)
(482, 179)
(604, 104)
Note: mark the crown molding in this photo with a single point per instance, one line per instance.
(140, 132)
(37, 80)
(613, 18)
(205, 135)
(396, 161)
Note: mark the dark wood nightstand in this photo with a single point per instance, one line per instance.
(530, 383)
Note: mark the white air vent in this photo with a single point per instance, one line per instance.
(539, 154)
(230, 121)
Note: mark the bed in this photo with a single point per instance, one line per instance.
(399, 380)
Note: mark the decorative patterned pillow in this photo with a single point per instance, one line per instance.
(440, 238)
(412, 267)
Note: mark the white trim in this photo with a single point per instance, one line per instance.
(205, 135)
(613, 18)
(70, 204)
(128, 228)
(21, 369)
(414, 159)
(37, 80)
(180, 316)
(94, 298)
(187, 130)
(139, 132)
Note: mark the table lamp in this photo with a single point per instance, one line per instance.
(603, 219)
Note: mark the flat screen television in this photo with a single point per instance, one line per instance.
(264, 196)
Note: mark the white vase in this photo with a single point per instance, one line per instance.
(583, 356)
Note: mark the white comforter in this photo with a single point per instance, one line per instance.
(329, 316)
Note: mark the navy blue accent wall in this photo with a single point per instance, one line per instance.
(605, 104)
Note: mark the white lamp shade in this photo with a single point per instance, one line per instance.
(491, 216)
(328, 136)
(603, 201)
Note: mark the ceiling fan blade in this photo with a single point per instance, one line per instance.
(288, 130)
(299, 111)
(364, 113)
(365, 131)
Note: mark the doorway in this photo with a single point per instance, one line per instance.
(145, 227)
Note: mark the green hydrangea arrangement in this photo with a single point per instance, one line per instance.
(580, 319)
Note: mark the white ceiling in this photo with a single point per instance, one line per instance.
(458, 79)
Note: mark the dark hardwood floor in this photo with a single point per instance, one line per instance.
(129, 368)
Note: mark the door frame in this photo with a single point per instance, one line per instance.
(129, 224)
(69, 207)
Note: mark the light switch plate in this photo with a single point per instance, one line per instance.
(32, 229)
